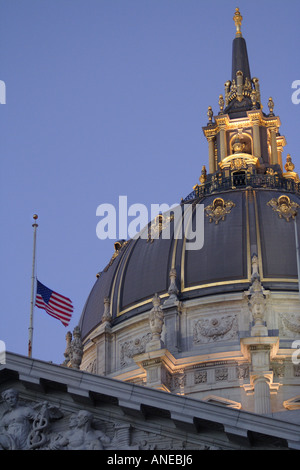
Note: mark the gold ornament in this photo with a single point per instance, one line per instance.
(289, 166)
(203, 176)
(238, 22)
(218, 210)
(157, 226)
(284, 207)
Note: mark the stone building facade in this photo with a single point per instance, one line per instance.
(217, 323)
(46, 406)
(179, 348)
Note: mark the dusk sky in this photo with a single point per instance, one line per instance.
(107, 98)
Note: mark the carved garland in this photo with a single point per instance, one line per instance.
(133, 347)
(215, 329)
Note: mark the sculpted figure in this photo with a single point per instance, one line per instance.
(81, 435)
(156, 318)
(76, 348)
(16, 423)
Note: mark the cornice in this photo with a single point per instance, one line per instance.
(130, 397)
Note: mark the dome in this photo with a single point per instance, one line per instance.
(214, 317)
(141, 267)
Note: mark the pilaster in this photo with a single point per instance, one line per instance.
(259, 351)
(281, 142)
(255, 117)
(211, 154)
(274, 154)
(104, 349)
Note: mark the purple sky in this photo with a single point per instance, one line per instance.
(107, 98)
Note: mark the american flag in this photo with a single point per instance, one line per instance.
(56, 305)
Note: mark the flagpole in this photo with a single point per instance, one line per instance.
(35, 225)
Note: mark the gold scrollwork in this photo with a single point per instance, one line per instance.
(157, 226)
(238, 164)
(284, 207)
(218, 210)
(117, 245)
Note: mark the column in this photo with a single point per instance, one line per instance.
(211, 154)
(256, 139)
(281, 142)
(274, 155)
(222, 143)
(262, 399)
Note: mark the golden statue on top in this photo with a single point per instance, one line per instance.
(238, 22)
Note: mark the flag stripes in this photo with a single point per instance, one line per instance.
(56, 305)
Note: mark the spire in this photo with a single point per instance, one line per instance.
(243, 141)
(242, 93)
(240, 62)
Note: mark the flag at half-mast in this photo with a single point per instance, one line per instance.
(56, 305)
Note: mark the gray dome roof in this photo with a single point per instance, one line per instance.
(140, 268)
(243, 215)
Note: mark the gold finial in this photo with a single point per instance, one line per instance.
(271, 106)
(238, 22)
(221, 103)
(210, 115)
(203, 176)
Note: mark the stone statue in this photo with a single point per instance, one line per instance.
(81, 435)
(255, 268)
(156, 318)
(257, 304)
(67, 352)
(173, 290)
(156, 321)
(76, 348)
(106, 317)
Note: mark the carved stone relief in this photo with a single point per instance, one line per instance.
(289, 325)
(214, 372)
(91, 367)
(80, 435)
(131, 348)
(26, 425)
(200, 377)
(208, 330)
(151, 441)
(242, 371)
(178, 382)
(221, 374)
(278, 369)
(296, 370)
